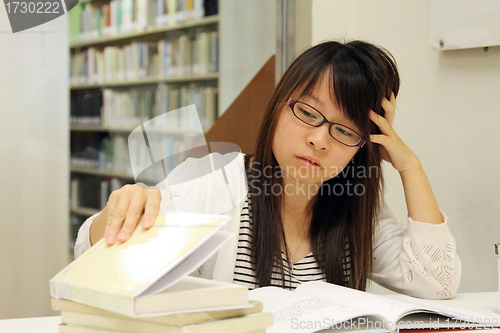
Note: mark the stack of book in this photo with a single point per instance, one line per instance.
(142, 285)
(80, 318)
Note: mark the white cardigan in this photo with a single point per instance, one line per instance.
(421, 261)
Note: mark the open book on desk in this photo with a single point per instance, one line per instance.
(314, 306)
(139, 277)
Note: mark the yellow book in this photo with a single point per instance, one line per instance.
(243, 324)
(140, 277)
(181, 319)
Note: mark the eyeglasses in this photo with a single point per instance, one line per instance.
(313, 117)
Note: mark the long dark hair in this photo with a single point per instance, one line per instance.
(360, 75)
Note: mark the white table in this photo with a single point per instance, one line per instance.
(480, 302)
(31, 325)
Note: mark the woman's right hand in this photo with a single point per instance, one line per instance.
(123, 211)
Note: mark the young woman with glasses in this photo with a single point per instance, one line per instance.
(314, 208)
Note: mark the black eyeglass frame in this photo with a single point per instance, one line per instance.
(291, 103)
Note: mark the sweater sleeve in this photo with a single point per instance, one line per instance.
(421, 261)
(82, 243)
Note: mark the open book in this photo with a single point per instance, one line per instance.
(314, 306)
(139, 277)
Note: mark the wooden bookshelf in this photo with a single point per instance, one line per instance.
(238, 124)
(148, 32)
(97, 128)
(84, 84)
(125, 130)
(84, 211)
(102, 173)
(148, 81)
(108, 173)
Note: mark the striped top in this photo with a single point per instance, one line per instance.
(305, 270)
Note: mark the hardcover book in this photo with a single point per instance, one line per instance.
(139, 277)
(181, 319)
(244, 324)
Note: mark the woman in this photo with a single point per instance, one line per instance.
(314, 208)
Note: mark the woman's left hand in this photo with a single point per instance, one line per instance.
(394, 150)
(420, 200)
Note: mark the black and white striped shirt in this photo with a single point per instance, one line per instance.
(304, 270)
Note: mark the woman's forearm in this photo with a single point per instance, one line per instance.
(420, 200)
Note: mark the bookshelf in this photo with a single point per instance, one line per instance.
(147, 81)
(152, 31)
(131, 61)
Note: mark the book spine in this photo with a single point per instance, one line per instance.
(104, 193)
(116, 302)
(75, 198)
(76, 222)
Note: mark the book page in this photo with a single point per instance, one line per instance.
(295, 312)
(394, 307)
(464, 317)
(389, 308)
(191, 263)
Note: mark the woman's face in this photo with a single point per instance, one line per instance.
(307, 154)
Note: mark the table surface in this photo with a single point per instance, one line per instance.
(481, 302)
(31, 325)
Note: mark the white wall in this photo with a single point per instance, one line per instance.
(247, 33)
(34, 112)
(448, 112)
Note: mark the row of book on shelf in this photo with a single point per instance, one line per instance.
(93, 20)
(107, 154)
(83, 191)
(91, 194)
(185, 54)
(119, 155)
(128, 108)
(168, 12)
